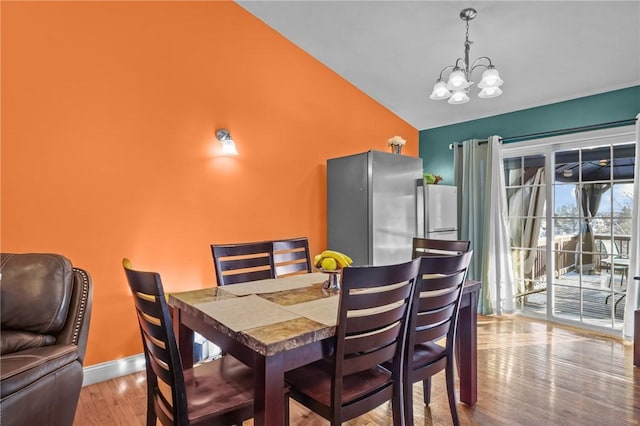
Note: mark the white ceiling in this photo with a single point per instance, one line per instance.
(546, 51)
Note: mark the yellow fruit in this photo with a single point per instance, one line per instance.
(317, 260)
(329, 264)
(340, 258)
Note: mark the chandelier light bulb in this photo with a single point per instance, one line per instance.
(490, 78)
(457, 80)
(490, 92)
(458, 97)
(440, 91)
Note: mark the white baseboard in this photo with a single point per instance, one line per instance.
(112, 369)
(135, 363)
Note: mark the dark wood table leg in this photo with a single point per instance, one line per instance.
(636, 339)
(268, 407)
(467, 348)
(636, 331)
(184, 338)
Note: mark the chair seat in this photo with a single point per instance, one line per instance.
(314, 381)
(220, 386)
(618, 262)
(427, 353)
(621, 263)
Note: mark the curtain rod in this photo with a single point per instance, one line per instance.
(560, 131)
(459, 144)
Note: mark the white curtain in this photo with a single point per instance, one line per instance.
(526, 211)
(633, 295)
(527, 206)
(479, 175)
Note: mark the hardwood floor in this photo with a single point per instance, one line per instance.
(529, 373)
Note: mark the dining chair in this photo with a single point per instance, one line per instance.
(611, 257)
(243, 262)
(291, 256)
(218, 392)
(428, 246)
(371, 328)
(613, 262)
(431, 331)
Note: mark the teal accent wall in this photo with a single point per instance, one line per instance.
(617, 105)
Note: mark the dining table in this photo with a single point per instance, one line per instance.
(280, 324)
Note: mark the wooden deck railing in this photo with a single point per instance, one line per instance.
(564, 249)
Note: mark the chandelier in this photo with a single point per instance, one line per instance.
(457, 86)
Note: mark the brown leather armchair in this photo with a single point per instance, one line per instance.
(45, 313)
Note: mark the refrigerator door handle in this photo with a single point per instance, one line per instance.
(420, 213)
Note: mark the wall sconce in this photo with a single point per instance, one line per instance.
(228, 145)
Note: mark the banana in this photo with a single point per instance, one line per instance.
(342, 259)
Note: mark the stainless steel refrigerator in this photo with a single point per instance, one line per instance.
(438, 219)
(373, 199)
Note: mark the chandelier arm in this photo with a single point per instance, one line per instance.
(464, 64)
(446, 68)
(477, 63)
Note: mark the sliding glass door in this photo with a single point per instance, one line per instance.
(570, 221)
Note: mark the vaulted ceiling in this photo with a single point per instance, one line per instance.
(546, 51)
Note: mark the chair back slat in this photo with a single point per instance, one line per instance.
(443, 281)
(290, 269)
(431, 318)
(368, 360)
(261, 262)
(441, 299)
(162, 371)
(375, 321)
(243, 262)
(246, 276)
(377, 297)
(291, 256)
(162, 408)
(382, 338)
(161, 356)
(428, 246)
(433, 333)
(148, 306)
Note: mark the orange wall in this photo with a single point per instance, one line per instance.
(108, 150)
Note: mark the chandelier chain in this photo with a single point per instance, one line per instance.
(467, 35)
